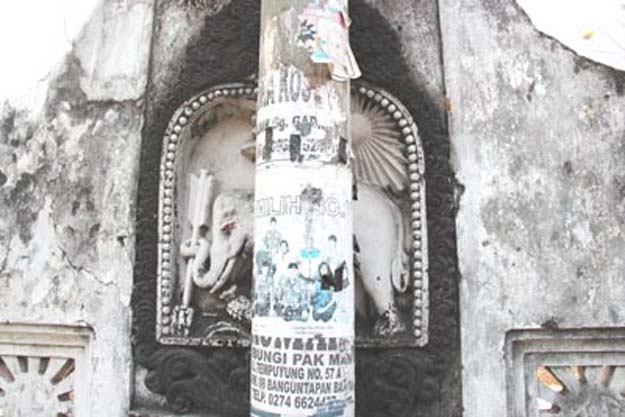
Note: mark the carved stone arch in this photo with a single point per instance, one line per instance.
(401, 127)
(388, 125)
(193, 116)
(190, 119)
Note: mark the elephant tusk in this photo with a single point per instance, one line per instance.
(400, 282)
(223, 278)
(399, 273)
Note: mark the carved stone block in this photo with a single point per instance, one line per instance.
(205, 219)
(566, 373)
(43, 371)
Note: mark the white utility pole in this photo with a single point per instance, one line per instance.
(303, 323)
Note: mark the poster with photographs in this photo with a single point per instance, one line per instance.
(303, 293)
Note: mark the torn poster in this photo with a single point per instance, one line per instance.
(303, 294)
(324, 30)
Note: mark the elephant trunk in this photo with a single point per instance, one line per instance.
(218, 274)
(222, 265)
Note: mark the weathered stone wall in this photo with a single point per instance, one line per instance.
(68, 183)
(537, 145)
(538, 138)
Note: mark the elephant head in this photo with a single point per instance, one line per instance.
(231, 238)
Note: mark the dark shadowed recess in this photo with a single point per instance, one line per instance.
(390, 382)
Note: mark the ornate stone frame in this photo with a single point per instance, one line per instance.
(167, 209)
(170, 161)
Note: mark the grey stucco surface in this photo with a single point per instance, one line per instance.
(68, 196)
(538, 143)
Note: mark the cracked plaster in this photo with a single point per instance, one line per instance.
(540, 215)
(68, 195)
(537, 142)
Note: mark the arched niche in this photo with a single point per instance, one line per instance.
(212, 132)
(419, 374)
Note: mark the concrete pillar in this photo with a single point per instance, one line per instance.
(303, 325)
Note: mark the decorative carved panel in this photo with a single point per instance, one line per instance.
(37, 385)
(197, 363)
(43, 371)
(566, 373)
(208, 151)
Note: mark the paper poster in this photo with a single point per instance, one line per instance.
(303, 312)
(324, 30)
(303, 286)
(291, 129)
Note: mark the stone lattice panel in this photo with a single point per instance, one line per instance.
(43, 372)
(566, 373)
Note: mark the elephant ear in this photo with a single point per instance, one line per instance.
(377, 145)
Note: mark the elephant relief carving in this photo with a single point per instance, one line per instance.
(207, 275)
(222, 258)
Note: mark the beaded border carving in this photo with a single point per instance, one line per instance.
(166, 211)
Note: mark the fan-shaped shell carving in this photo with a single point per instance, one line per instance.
(377, 145)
